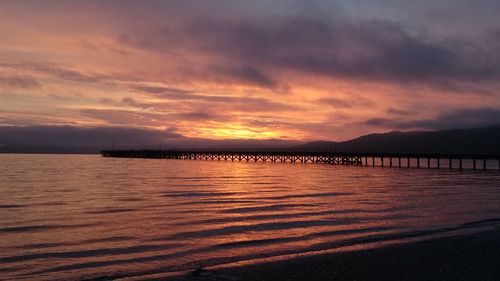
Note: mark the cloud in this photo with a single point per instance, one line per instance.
(161, 90)
(146, 119)
(56, 71)
(131, 102)
(335, 102)
(462, 87)
(245, 74)
(200, 115)
(395, 111)
(93, 139)
(240, 103)
(463, 118)
(355, 49)
(313, 130)
(20, 82)
(312, 69)
(78, 137)
(126, 117)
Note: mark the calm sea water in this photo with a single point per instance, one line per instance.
(77, 217)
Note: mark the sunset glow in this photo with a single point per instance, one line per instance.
(239, 132)
(269, 140)
(303, 70)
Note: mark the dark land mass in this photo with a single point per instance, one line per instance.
(460, 258)
(461, 141)
(81, 140)
(67, 139)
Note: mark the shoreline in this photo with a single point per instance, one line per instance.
(463, 257)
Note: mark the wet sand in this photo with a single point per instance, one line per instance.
(466, 257)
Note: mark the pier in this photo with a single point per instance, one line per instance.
(400, 160)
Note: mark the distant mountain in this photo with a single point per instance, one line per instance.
(65, 139)
(480, 140)
(73, 139)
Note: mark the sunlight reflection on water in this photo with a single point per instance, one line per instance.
(72, 215)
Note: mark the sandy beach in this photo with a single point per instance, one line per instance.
(465, 257)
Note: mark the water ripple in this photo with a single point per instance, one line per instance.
(35, 228)
(74, 216)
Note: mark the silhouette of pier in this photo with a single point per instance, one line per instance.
(407, 160)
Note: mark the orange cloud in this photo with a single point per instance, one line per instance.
(217, 72)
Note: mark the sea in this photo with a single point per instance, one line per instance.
(86, 217)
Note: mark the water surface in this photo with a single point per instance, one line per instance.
(78, 217)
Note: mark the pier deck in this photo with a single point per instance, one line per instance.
(416, 160)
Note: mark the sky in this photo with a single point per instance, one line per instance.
(178, 71)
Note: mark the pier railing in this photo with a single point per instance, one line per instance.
(416, 160)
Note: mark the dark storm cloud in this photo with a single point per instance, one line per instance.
(463, 88)
(358, 49)
(374, 49)
(464, 118)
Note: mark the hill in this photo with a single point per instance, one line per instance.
(479, 140)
